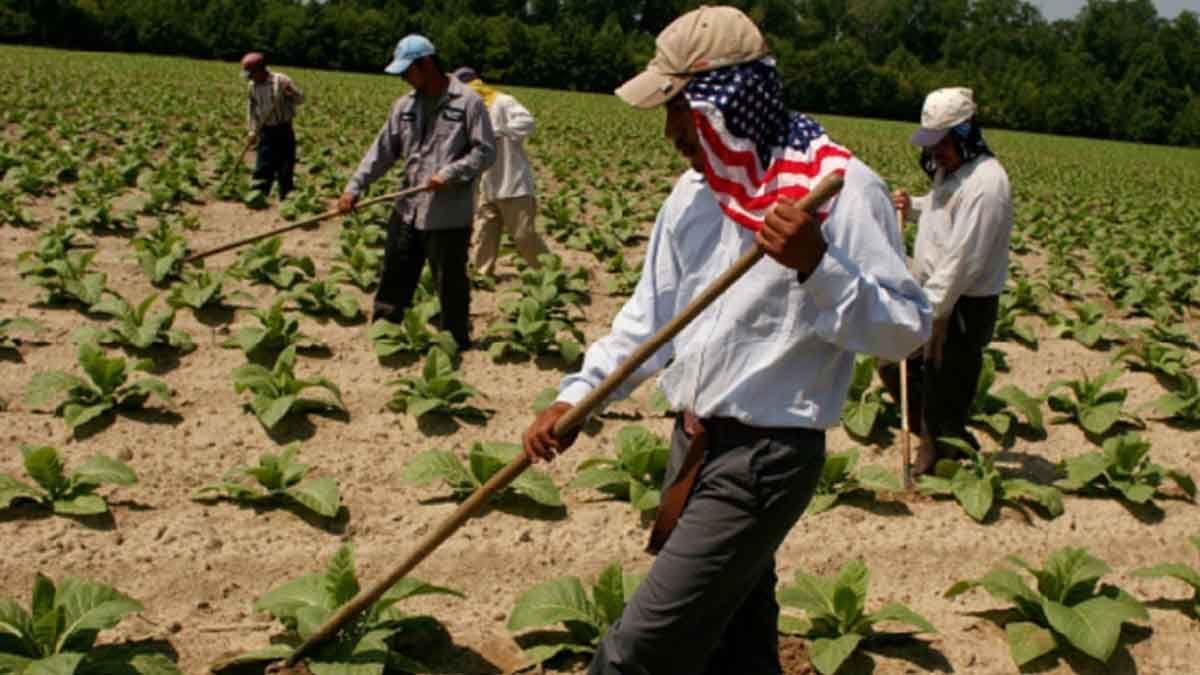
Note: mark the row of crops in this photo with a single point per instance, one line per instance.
(108, 193)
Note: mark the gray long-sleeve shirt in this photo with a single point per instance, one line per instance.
(457, 143)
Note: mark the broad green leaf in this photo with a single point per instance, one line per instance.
(828, 655)
(878, 479)
(12, 490)
(1090, 626)
(81, 505)
(106, 373)
(821, 504)
(1098, 419)
(409, 587)
(46, 388)
(975, 494)
(286, 600)
(609, 594)
(90, 606)
(76, 415)
(599, 478)
(340, 581)
(58, 664)
(809, 593)
(1045, 496)
(419, 406)
(538, 486)
(319, 495)
(1173, 570)
(897, 612)
(1184, 481)
(100, 469)
(433, 465)
(542, 653)
(273, 412)
(44, 465)
(1083, 469)
(553, 602)
(791, 625)
(1028, 641)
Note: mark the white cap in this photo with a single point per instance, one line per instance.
(943, 109)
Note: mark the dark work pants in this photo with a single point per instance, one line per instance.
(404, 256)
(707, 606)
(276, 160)
(941, 398)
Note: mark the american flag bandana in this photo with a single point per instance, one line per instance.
(756, 151)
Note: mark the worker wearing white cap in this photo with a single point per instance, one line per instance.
(961, 260)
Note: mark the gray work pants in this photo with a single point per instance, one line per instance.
(707, 606)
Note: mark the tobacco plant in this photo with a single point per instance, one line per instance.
(864, 405)
(1122, 467)
(160, 252)
(1182, 402)
(275, 393)
(1069, 606)
(1091, 404)
(998, 411)
(323, 297)
(67, 494)
(57, 634)
(199, 289)
(437, 390)
(979, 487)
(277, 479)
(276, 331)
(136, 327)
(264, 262)
(483, 461)
(8, 342)
(841, 477)
(65, 278)
(362, 646)
(634, 475)
(564, 601)
(535, 331)
(413, 335)
(105, 392)
(835, 616)
(1180, 571)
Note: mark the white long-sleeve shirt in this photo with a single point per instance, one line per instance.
(964, 226)
(510, 176)
(771, 351)
(262, 109)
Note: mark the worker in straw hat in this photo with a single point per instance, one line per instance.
(762, 372)
(442, 131)
(273, 98)
(961, 260)
(506, 191)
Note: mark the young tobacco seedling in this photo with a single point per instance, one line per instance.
(198, 290)
(484, 460)
(275, 393)
(1067, 606)
(1007, 328)
(1182, 403)
(160, 252)
(634, 475)
(564, 601)
(1122, 466)
(265, 263)
(413, 335)
(1154, 357)
(136, 327)
(841, 477)
(16, 325)
(836, 619)
(863, 404)
(552, 285)
(359, 265)
(1088, 326)
(437, 390)
(277, 478)
(1180, 571)
(105, 391)
(57, 635)
(978, 486)
(72, 494)
(1095, 408)
(533, 332)
(65, 279)
(324, 297)
(364, 645)
(276, 331)
(997, 411)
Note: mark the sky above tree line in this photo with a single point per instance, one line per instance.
(1067, 9)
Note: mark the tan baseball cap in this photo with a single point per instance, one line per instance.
(943, 109)
(703, 39)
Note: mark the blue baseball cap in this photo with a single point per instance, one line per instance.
(409, 49)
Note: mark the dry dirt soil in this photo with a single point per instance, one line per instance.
(198, 567)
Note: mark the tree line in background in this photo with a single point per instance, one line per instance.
(1117, 70)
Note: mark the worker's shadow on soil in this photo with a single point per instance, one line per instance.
(1121, 662)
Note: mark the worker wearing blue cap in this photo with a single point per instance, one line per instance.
(443, 132)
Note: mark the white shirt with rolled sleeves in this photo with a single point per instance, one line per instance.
(770, 352)
(964, 227)
(510, 176)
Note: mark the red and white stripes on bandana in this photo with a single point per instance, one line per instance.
(756, 151)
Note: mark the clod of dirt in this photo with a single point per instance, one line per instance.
(793, 657)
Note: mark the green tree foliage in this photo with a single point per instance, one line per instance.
(1116, 70)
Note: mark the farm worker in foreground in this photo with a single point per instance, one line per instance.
(961, 260)
(272, 106)
(443, 132)
(764, 370)
(506, 196)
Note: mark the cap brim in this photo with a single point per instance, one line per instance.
(649, 89)
(927, 137)
(398, 66)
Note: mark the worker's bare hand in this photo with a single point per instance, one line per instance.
(346, 202)
(902, 202)
(937, 342)
(289, 91)
(436, 182)
(792, 236)
(540, 441)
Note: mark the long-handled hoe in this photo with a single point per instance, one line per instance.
(573, 418)
(299, 224)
